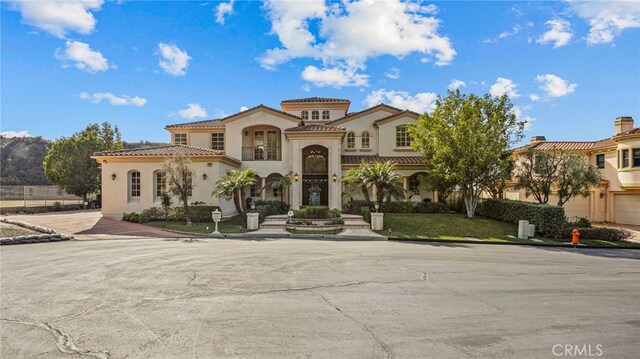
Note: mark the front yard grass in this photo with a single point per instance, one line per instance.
(447, 226)
(231, 225)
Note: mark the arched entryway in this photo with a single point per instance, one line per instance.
(315, 176)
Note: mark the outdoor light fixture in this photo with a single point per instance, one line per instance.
(296, 177)
(602, 193)
(334, 177)
(246, 133)
(204, 176)
(113, 176)
(377, 206)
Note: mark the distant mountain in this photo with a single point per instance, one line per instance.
(21, 160)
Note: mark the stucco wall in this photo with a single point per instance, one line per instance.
(360, 125)
(387, 138)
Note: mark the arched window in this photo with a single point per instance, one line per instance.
(402, 136)
(351, 140)
(365, 140)
(325, 114)
(304, 115)
(315, 115)
(160, 182)
(134, 185)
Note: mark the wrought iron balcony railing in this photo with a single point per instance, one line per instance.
(261, 153)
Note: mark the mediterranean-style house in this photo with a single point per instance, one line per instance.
(314, 140)
(317, 140)
(617, 199)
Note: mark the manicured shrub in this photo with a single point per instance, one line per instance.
(353, 206)
(549, 220)
(366, 214)
(312, 212)
(401, 207)
(335, 213)
(151, 214)
(131, 217)
(580, 222)
(276, 207)
(57, 206)
(601, 233)
(198, 213)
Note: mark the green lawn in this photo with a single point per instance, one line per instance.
(232, 225)
(448, 226)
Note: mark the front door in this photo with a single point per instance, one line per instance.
(315, 176)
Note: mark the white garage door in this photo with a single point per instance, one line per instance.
(575, 207)
(627, 209)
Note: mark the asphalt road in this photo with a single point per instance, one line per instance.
(303, 298)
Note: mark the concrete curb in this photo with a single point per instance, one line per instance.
(533, 244)
(250, 236)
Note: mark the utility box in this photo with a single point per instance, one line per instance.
(523, 229)
(253, 221)
(377, 221)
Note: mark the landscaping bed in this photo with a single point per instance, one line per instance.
(231, 225)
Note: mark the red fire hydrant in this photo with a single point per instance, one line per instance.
(575, 237)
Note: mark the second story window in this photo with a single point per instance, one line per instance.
(351, 140)
(180, 139)
(315, 115)
(636, 157)
(217, 141)
(600, 161)
(304, 115)
(402, 136)
(325, 115)
(365, 140)
(624, 158)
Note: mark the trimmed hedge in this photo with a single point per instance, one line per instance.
(601, 233)
(197, 213)
(312, 212)
(549, 220)
(400, 207)
(366, 214)
(152, 214)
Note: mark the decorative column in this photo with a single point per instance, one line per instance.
(263, 193)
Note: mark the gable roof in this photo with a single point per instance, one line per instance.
(315, 128)
(315, 99)
(396, 115)
(217, 123)
(167, 150)
(354, 115)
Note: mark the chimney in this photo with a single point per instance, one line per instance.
(536, 139)
(622, 124)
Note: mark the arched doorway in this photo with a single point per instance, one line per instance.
(315, 176)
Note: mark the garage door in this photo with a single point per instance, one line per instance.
(575, 207)
(627, 209)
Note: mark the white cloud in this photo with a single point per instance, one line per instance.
(559, 33)
(84, 57)
(504, 86)
(243, 108)
(222, 10)
(192, 111)
(522, 117)
(393, 73)
(114, 100)
(607, 18)
(335, 77)
(11, 134)
(456, 84)
(59, 17)
(392, 28)
(534, 97)
(174, 61)
(555, 86)
(420, 102)
(503, 35)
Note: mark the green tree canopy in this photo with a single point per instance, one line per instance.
(233, 185)
(382, 175)
(571, 175)
(68, 163)
(464, 139)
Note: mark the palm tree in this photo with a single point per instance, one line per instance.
(233, 185)
(280, 183)
(383, 175)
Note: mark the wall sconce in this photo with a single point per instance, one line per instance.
(334, 177)
(113, 176)
(204, 176)
(602, 193)
(296, 177)
(246, 133)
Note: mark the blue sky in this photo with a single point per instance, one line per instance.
(570, 67)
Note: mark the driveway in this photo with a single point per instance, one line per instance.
(304, 298)
(89, 224)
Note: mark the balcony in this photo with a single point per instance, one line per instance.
(261, 153)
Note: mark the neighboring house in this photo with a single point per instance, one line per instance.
(617, 199)
(275, 143)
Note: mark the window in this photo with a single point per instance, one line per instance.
(624, 158)
(276, 192)
(180, 139)
(304, 115)
(134, 184)
(325, 115)
(636, 157)
(402, 136)
(255, 190)
(351, 140)
(217, 141)
(161, 183)
(315, 115)
(600, 161)
(365, 140)
(414, 184)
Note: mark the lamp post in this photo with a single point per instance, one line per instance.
(377, 206)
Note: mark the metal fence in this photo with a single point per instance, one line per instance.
(35, 196)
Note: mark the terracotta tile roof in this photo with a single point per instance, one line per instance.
(400, 160)
(405, 112)
(566, 145)
(315, 128)
(352, 114)
(220, 121)
(316, 99)
(607, 142)
(633, 131)
(168, 150)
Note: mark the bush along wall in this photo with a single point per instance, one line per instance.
(354, 207)
(549, 220)
(601, 233)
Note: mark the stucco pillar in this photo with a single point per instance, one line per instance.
(295, 155)
(405, 185)
(335, 189)
(263, 193)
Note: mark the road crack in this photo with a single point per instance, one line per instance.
(64, 341)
